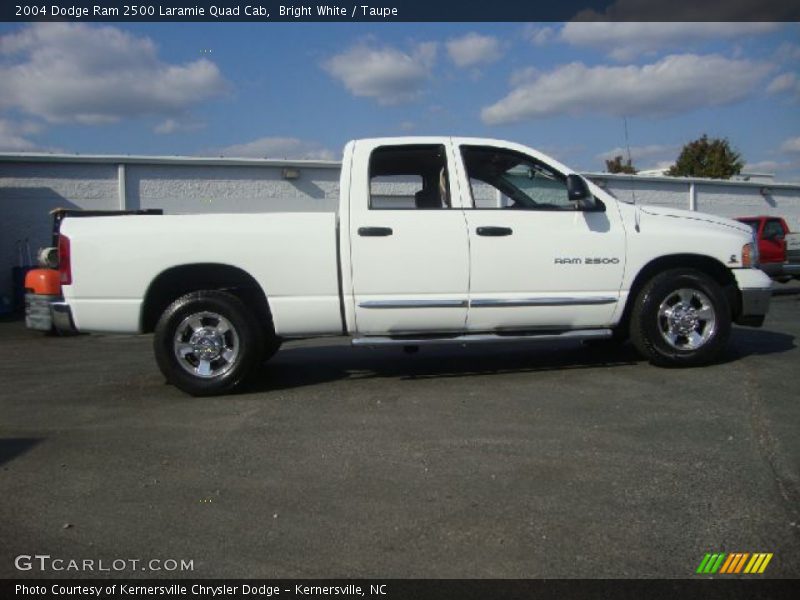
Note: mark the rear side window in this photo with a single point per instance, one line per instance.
(409, 177)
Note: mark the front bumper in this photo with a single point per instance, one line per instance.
(784, 269)
(755, 290)
(46, 312)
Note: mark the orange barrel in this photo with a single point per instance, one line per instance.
(42, 286)
(44, 282)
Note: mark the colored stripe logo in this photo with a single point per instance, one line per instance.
(734, 563)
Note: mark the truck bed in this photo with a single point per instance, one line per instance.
(292, 256)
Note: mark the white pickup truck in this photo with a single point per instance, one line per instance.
(436, 240)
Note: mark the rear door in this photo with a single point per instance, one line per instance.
(409, 247)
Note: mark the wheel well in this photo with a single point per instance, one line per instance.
(175, 282)
(710, 266)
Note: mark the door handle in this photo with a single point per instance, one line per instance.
(494, 231)
(374, 231)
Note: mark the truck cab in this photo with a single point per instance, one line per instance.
(463, 235)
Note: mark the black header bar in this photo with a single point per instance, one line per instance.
(399, 589)
(265, 11)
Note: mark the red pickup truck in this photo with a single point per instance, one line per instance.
(779, 249)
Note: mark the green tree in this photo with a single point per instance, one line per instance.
(706, 157)
(615, 165)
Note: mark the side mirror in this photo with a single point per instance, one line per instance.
(578, 192)
(577, 189)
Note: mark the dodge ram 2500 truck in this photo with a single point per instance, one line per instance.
(436, 240)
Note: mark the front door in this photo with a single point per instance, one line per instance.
(538, 261)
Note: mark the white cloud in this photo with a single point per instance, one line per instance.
(782, 83)
(72, 72)
(791, 145)
(473, 49)
(171, 125)
(523, 76)
(786, 82)
(625, 40)
(14, 137)
(279, 147)
(13, 140)
(784, 170)
(674, 84)
(640, 153)
(388, 75)
(765, 166)
(788, 52)
(539, 36)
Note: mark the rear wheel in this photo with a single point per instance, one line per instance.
(681, 318)
(208, 343)
(272, 344)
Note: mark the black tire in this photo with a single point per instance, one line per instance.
(222, 324)
(674, 340)
(272, 344)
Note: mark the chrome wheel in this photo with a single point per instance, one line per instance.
(206, 344)
(686, 319)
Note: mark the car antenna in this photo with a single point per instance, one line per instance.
(630, 162)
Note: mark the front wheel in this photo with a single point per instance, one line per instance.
(681, 318)
(207, 343)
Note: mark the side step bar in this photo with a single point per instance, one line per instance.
(483, 338)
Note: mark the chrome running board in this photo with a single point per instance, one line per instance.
(481, 338)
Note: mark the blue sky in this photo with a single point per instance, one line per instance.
(304, 89)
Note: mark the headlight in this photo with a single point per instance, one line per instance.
(750, 254)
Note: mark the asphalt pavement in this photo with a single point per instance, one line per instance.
(507, 461)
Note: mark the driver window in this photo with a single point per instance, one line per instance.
(506, 179)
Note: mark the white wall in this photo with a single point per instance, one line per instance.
(29, 191)
(191, 189)
(726, 199)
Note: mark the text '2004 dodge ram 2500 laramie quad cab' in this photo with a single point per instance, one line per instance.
(436, 240)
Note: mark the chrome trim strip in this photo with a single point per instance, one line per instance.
(577, 334)
(556, 301)
(413, 304)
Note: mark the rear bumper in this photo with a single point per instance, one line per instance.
(46, 312)
(755, 289)
(62, 317)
